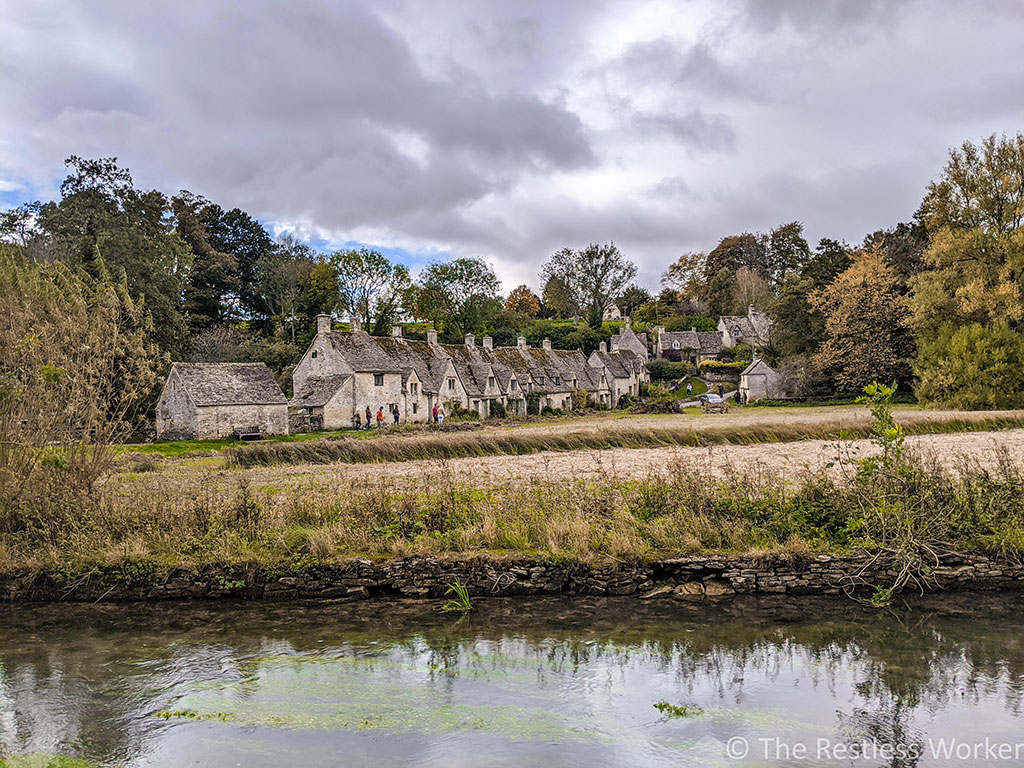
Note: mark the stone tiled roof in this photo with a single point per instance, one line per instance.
(228, 383)
(708, 342)
(318, 390)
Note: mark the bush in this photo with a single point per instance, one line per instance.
(716, 366)
(580, 399)
(533, 403)
(498, 410)
(973, 366)
(666, 370)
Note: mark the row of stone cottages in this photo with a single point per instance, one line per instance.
(342, 373)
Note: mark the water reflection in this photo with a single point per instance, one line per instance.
(540, 682)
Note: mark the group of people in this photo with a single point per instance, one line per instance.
(438, 415)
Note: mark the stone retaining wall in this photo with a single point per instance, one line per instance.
(424, 577)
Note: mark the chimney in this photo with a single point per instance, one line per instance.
(470, 339)
(323, 324)
(432, 337)
(547, 344)
(750, 310)
(521, 342)
(354, 325)
(396, 331)
(603, 346)
(488, 342)
(693, 329)
(615, 343)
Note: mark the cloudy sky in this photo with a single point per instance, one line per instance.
(509, 130)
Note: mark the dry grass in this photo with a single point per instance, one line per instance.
(394, 448)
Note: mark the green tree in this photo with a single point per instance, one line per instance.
(973, 366)
(594, 276)
(557, 300)
(371, 287)
(103, 223)
(974, 262)
(213, 279)
(459, 296)
(632, 298)
(866, 337)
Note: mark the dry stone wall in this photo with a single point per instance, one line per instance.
(689, 578)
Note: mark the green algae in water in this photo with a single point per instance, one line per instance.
(41, 760)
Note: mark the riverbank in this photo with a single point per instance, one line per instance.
(682, 578)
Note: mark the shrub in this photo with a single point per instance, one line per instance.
(533, 403)
(667, 370)
(717, 366)
(498, 410)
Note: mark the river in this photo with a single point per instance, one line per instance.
(516, 682)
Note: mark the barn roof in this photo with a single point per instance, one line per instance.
(317, 391)
(228, 383)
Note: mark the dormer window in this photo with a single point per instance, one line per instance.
(540, 380)
(675, 345)
(451, 384)
(490, 381)
(514, 384)
(314, 354)
(555, 380)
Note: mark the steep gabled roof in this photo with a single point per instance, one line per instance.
(317, 391)
(758, 366)
(228, 383)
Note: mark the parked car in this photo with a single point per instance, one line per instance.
(712, 403)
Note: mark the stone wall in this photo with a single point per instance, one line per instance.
(215, 421)
(175, 413)
(426, 577)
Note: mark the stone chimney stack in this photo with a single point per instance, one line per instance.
(488, 342)
(323, 324)
(521, 342)
(432, 337)
(603, 346)
(396, 331)
(615, 343)
(547, 344)
(470, 340)
(693, 328)
(354, 325)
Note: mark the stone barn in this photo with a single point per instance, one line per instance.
(206, 401)
(759, 381)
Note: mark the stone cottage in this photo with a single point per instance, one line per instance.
(341, 374)
(759, 381)
(206, 401)
(690, 346)
(752, 329)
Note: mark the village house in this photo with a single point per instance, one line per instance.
(341, 374)
(751, 329)
(690, 346)
(759, 381)
(206, 401)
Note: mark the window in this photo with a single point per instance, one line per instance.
(555, 380)
(575, 383)
(490, 381)
(540, 380)
(675, 345)
(451, 384)
(314, 353)
(378, 379)
(514, 385)
(414, 387)
(414, 407)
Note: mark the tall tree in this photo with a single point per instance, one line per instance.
(594, 276)
(213, 279)
(866, 336)
(632, 299)
(523, 302)
(460, 296)
(102, 222)
(371, 287)
(557, 300)
(687, 275)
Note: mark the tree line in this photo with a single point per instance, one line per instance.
(935, 304)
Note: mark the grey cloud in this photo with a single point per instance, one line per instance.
(693, 129)
(694, 69)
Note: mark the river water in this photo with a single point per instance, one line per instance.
(545, 682)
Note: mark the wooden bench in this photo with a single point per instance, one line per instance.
(254, 432)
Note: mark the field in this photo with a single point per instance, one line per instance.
(613, 485)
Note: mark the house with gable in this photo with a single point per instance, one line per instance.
(690, 346)
(341, 373)
(752, 329)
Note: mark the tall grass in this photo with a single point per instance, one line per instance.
(467, 444)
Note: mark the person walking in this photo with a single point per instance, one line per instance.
(440, 415)
(435, 413)
(721, 390)
(689, 389)
(357, 421)
(380, 417)
(369, 418)
(395, 412)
